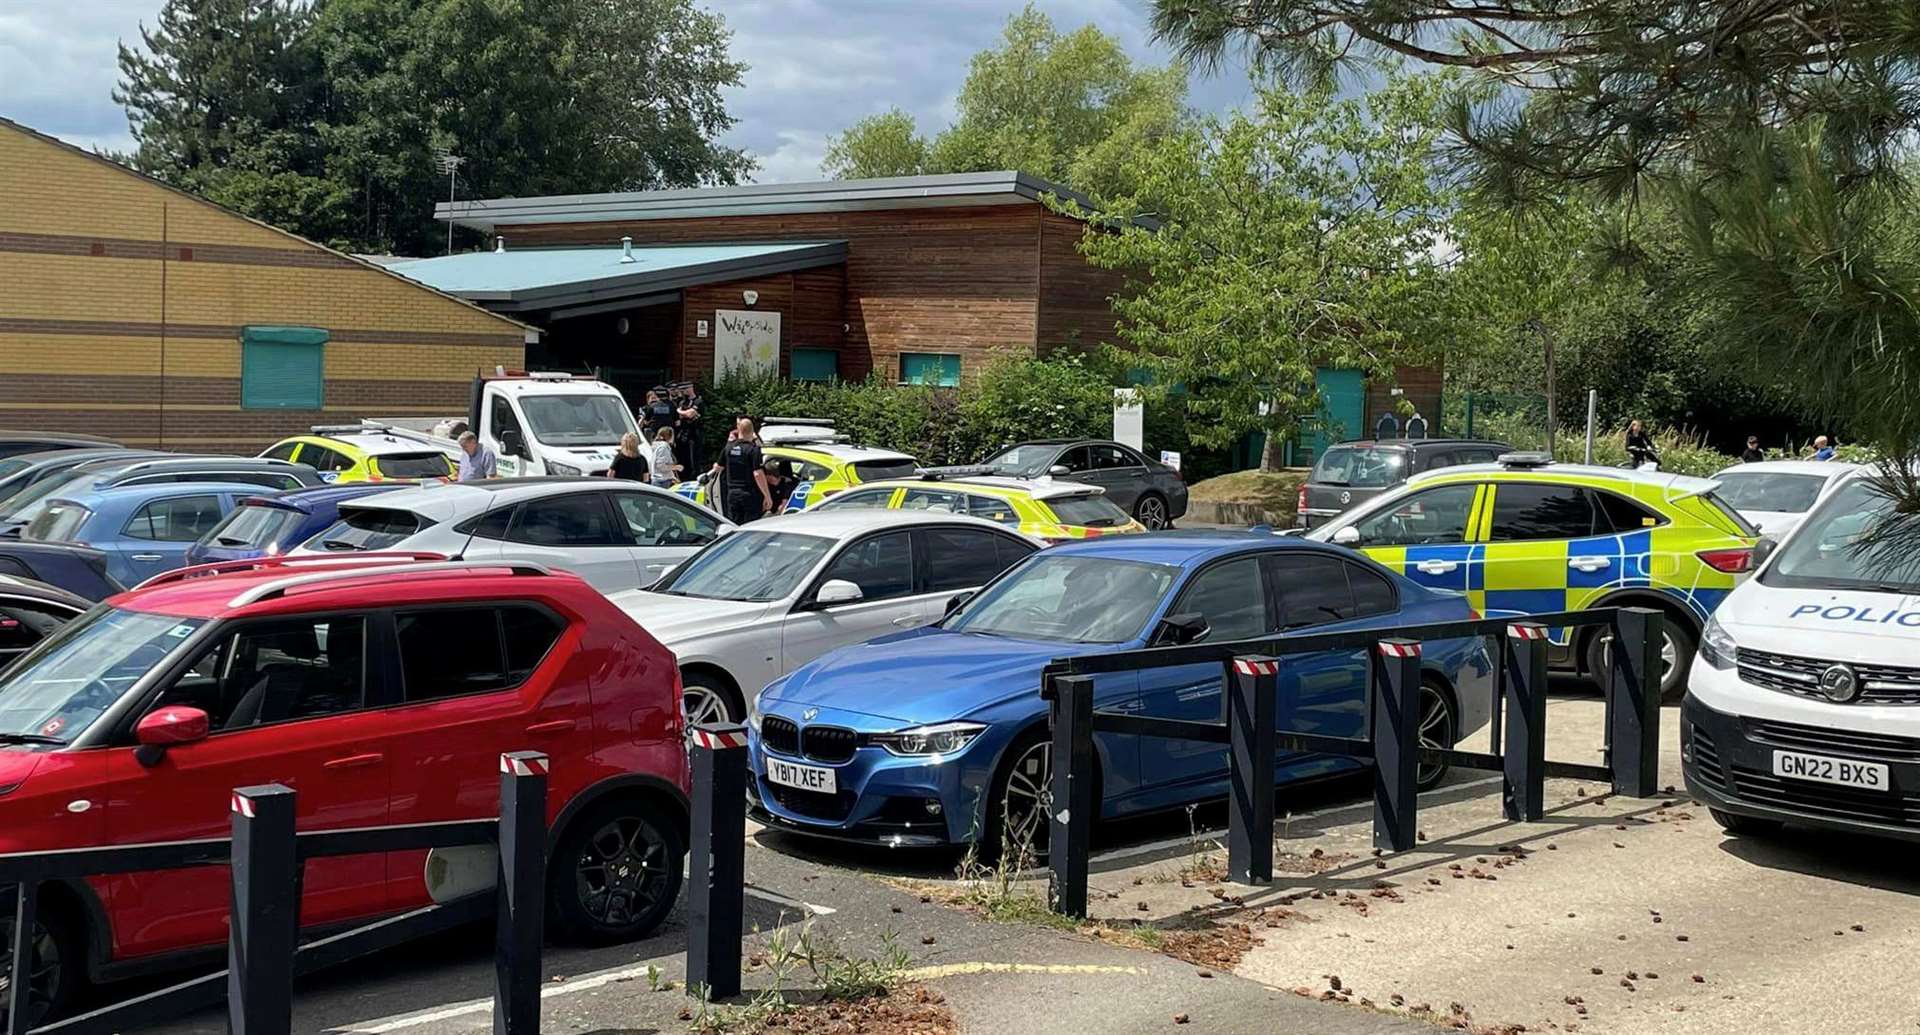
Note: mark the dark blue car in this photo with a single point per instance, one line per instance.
(939, 736)
(262, 526)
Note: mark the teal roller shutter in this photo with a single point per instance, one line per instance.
(930, 368)
(816, 364)
(282, 368)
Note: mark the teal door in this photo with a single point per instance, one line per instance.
(1343, 397)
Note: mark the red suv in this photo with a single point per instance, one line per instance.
(383, 691)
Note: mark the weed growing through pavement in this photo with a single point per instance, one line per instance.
(1002, 892)
(836, 976)
(1203, 863)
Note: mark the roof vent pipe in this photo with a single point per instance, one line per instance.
(626, 250)
(499, 245)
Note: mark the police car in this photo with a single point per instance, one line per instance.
(824, 461)
(1530, 536)
(1804, 703)
(369, 452)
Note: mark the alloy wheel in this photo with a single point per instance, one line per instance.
(1435, 732)
(1669, 654)
(1153, 513)
(621, 872)
(44, 982)
(1023, 811)
(703, 704)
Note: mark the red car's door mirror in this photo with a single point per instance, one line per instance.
(166, 727)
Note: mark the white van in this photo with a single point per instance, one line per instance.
(1803, 704)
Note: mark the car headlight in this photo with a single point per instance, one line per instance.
(753, 714)
(940, 739)
(1717, 646)
(558, 469)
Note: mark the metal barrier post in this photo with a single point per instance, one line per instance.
(1250, 726)
(264, 928)
(1633, 701)
(1524, 795)
(519, 929)
(1070, 812)
(1395, 682)
(20, 976)
(717, 863)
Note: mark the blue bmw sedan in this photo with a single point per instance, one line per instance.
(939, 736)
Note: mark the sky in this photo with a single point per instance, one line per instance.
(816, 66)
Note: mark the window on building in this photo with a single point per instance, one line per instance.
(816, 364)
(930, 368)
(282, 368)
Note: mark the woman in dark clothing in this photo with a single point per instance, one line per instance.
(1640, 450)
(629, 462)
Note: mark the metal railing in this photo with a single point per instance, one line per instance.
(267, 855)
(1390, 739)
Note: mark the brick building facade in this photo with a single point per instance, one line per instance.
(136, 311)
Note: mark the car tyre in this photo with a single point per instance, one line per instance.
(58, 982)
(1439, 728)
(1151, 510)
(707, 699)
(615, 872)
(1676, 653)
(1746, 826)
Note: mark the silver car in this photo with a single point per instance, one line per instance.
(615, 534)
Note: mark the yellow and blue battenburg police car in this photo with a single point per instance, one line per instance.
(1530, 536)
(824, 461)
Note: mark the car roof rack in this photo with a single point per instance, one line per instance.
(372, 558)
(1524, 460)
(935, 474)
(281, 587)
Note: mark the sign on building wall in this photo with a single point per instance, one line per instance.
(746, 339)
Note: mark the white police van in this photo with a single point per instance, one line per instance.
(1803, 704)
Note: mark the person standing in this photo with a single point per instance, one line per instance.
(1752, 454)
(476, 460)
(1822, 448)
(746, 496)
(1640, 450)
(628, 462)
(657, 413)
(686, 426)
(666, 468)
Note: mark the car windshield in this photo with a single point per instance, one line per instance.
(1772, 491)
(1090, 511)
(1845, 544)
(55, 692)
(1069, 598)
(577, 420)
(1362, 467)
(254, 527)
(1023, 460)
(749, 566)
(371, 528)
(13, 465)
(59, 521)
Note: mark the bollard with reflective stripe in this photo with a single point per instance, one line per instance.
(1070, 805)
(1395, 682)
(520, 927)
(1633, 701)
(1251, 701)
(25, 915)
(1524, 792)
(716, 863)
(265, 923)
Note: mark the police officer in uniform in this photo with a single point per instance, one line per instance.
(685, 406)
(743, 476)
(656, 414)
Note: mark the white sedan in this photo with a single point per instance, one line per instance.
(1775, 495)
(784, 590)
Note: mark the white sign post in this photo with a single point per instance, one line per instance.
(746, 340)
(1129, 418)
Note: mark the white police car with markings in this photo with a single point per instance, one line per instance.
(1803, 704)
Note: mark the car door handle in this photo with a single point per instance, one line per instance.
(1437, 567)
(909, 621)
(1589, 564)
(556, 726)
(355, 761)
(147, 557)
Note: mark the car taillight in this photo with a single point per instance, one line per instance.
(1733, 562)
(1300, 501)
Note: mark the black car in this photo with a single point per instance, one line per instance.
(1152, 492)
(1351, 472)
(30, 612)
(71, 567)
(13, 443)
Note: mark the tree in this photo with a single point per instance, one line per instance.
(888, 144)
(1066, 107)
(1296, 236)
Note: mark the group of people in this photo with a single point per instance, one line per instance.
(1641, 450)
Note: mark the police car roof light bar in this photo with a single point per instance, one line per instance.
(1525, 460)
(934, 474)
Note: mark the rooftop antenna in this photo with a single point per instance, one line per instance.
(450, 164)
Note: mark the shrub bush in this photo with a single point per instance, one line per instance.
(1681, 452)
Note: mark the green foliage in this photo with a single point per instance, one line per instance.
(325, 119)
(1681, 451)
(1294, 236)
(1065, 106)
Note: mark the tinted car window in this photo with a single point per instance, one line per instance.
(579, 519)
(1091, 511)
(181, 520)
(881, 565)
(871, 499)
(529, 634)
(1436, 515)
(1372, 593)
(992, 508)
(412, 465)
(283, 451)
(960, 558)
(807, 471)
(321, 458)
(1231, 597)
(448, 652)
(1313, 589)
(1076, 459)
(60, 521)
(491, 525)
(657, 521)
(1623, 514)
(302, 668)
(946, 501)
(882, 470)
(370, 529)
(1529, 511)
(255, 527)
(1107, 458)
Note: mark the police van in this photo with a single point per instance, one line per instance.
(1803, 703)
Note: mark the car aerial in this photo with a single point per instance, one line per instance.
(614, 533)
(824, 462)
(782, 591)
(262, 526)
(30, 612)
(80, 570)
(15, 442)
(385, 692)
(1151, 491)
(1773, 495)
(143, 529)
(114, 471)
(1348, 474)
(24, 470)
(1054, 511)
(1803, 706)
(938, 736)
(1529, 536)
(369, 452)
